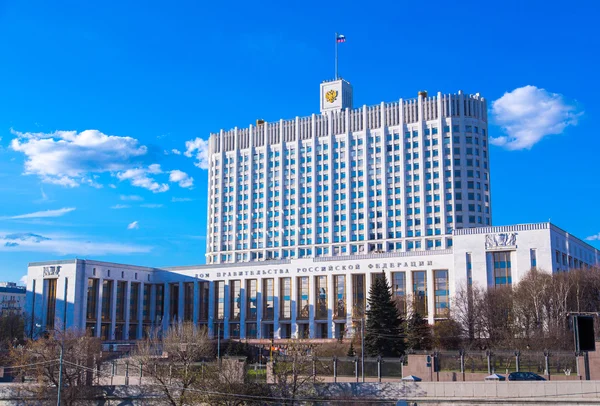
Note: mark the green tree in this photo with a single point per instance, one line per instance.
(418, 333)
(351, 352)
(383, 330)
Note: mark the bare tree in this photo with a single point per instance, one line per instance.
(229, 385)
(39, 360)
(293, 375)
(173, 363)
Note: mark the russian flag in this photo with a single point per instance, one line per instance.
(341, 38)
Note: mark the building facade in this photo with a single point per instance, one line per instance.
(394, 177)
(303, 216)
(12, 298)
(323, 297)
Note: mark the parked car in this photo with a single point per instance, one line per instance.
(525, 376)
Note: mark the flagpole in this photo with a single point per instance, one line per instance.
(336, 56)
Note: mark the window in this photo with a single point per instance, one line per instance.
(441, 293)
(358, 296)
(92, 299)
(399, 290)
(420, 292)
(268, 294)
(285, 286)
(469, 269)
(321, 297)
(51, 303)
(203, 299)
(235, 301)
(303, 292)
(339, 288)
(502, 268)
(219, 300)
(533, 257)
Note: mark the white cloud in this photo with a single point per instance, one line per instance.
(198, 148)
(528, 114)
(41, 214)
(595, 237)
(152, 205)
(112, 186)
(68, 158)
(139, 177)
(133, 198)
(23, 280)
(133, 226)
(181, 199)
(182, 178)
(64, 245)
(175, 152)
(120, 206)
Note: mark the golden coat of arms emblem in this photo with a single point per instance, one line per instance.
(331, 95)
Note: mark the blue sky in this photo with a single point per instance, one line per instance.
(96, 98)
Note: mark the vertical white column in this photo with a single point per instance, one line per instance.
(349, 305)
(180, 307)
(277, 306)
(297, 196)
(260, 300)
(113, 310)
(140, 311)
(409, 290)
(313, 184)
(236, 195)
(366, 178)
(384, 174)
(99, 307)
(312, 306)
(350, 186)
(127, 309)
(331, 293)
(268, 182)
(243, 310)
(226, 308)
(294, 306)
(211, 310)
(331, 183)
(430, 296)
(196, 302)
(166, 307)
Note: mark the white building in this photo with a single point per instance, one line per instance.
(394, 177)
(304, 214)
(310, 297)
(12, 298)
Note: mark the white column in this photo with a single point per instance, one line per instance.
(211, 309)
(430, 296)
(331, 293)
(259, 307)
(113, 310)
(349, 305)
(180, 308)
(166, 307)
(226, 308)
(127, 309)
(294, 305)
(276, 307)
(196, 302)
(311, 306)
(243, 302)
(98, 308)
(140, 311)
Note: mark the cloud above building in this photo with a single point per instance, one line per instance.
(64, 244)
(40, 214)
(72, 159)
(198, 149)
(528, 114)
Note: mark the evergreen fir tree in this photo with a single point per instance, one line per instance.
(383, 329)
(351, 352)
(418, 333)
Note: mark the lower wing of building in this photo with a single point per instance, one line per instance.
(323, 297)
